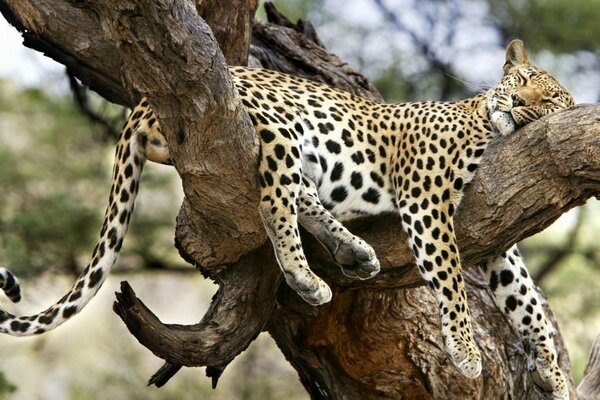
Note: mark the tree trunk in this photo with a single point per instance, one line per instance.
(376, 339)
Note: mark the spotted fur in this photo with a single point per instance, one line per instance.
(129, 159)
(515, 294)
(327, 154)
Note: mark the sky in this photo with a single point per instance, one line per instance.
(23, 66)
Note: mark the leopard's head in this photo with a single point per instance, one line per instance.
(525, 93)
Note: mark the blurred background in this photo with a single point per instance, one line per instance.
(56, 144)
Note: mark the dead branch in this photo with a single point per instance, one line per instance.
(81, 98)
(556, 257)
(589, 388)
(232, 322)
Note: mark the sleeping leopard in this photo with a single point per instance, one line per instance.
(328, 155)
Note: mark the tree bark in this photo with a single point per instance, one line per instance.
(589, 388)
(377, 339)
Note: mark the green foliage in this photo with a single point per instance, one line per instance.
(49, 167)
(557, 25)
(47, 231)
(6, 388)
(55, 174)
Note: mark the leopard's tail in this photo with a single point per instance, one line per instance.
(128, 164)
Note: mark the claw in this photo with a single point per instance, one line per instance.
(357, 260)
(311, 288)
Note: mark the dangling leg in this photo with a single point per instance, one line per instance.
(280, 185)
(515, 294)
(356, 258)
(431, 235)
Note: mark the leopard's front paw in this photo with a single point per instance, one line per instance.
(499, 106)
(357, 259)
(503, 122)
(465, 356)
(492, 101)
(310, 287)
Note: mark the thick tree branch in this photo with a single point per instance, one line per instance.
(210, 137)
(73, 38)
(229, 325)
(232, 26)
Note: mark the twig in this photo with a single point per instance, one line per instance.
(559, 255)
(82, 101)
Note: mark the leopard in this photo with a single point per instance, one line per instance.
(327, 156)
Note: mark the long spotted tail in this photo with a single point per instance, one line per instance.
(127, 169)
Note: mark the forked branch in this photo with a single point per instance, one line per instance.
(238, 313)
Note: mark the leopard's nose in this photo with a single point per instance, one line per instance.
(517, 100)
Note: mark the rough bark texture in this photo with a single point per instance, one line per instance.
(231, 25)
(589, 388)
(376, 339)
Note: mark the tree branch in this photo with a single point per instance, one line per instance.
(82, 101)
(73, 38)
(228, 327)
(589, 388)
(231, 26)
(568, 248)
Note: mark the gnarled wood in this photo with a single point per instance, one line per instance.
(231, 25)
(73, 38)
(232, 322)
(589, 388)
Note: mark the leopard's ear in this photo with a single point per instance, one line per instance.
(515, 55)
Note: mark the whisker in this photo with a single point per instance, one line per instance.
(470, 85)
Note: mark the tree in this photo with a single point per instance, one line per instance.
(377, 339)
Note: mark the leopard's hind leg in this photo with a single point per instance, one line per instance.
(515, 294)
(355, 256)
(280, 176)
